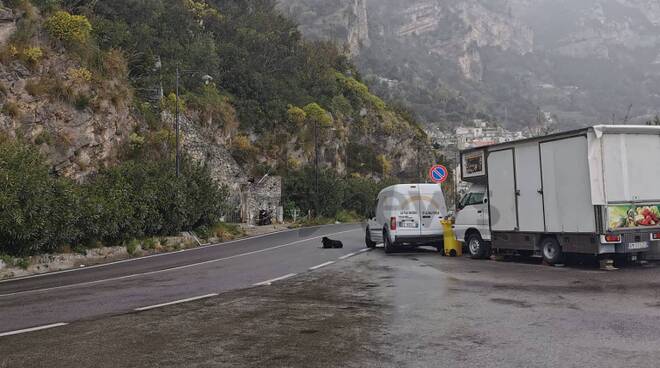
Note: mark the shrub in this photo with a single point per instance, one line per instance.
(82, 101)
(149, 244)
(114, 64)
(51, 86)
(68, 27)
(35, 87)
(348, 216)
(43, 138)
(168, 103)
(11, 108)
(132, 247)
(80, 75)
(32, 55)
(242, 149)
(23, 263)
(296, 116)
(137, 199)
(317, 115)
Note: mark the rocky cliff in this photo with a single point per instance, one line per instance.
(582, 61)
(79, 120)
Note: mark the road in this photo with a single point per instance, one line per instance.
(409, 309)
(121, 287)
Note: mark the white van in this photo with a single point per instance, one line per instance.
(407, 214)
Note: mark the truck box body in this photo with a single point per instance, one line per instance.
(580, 186)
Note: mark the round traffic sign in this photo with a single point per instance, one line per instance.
(438, 174)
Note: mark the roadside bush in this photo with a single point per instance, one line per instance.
(134, 200)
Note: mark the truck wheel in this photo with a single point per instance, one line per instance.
(368, 241)
(477, 247)
(389, 246)
(552, 253)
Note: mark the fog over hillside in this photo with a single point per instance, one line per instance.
(517, 61)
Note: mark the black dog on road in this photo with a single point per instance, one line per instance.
(331, 244)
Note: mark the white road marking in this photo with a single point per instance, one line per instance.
(32, 329)
(364, 250)
(160, 254)
(271, 281)
(141, 309)
(321, 265)
(88, 283)
(349, 255)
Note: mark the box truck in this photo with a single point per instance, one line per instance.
(407, 214)
(590, 191)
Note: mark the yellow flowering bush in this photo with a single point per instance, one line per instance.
(33, 54)
(68, 27)
(80, 74)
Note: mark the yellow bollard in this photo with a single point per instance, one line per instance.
(452, 247)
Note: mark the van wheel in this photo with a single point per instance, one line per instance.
(477, 247)
(389, 246)
(551, 250)
(368, 241)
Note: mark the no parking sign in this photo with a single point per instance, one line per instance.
(438, 174)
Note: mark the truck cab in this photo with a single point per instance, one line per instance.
(471, 224)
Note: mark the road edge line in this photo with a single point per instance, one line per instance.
(271, 281)
(321, 265)
(175, 302)
(32, 329)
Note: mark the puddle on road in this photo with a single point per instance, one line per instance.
(515, 303)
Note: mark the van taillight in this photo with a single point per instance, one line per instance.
(393, 223)
(613, 238)
(655, 236)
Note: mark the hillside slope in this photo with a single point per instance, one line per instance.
(256, 97)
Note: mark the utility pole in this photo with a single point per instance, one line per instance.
(178, 150)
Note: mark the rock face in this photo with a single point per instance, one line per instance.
(344, 21)
(579, 60)
(77, 140)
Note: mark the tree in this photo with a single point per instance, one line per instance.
(655, 121)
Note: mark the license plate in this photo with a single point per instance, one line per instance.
(409, 225)
(640, 245)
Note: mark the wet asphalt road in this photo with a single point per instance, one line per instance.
(414, 309)
(123, 286)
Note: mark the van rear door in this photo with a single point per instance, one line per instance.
(408, 216)
(432, 208)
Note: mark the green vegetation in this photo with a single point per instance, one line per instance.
(339, 197)
(223, 231)
(267, 82)
(136, 199)
(68, 28)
